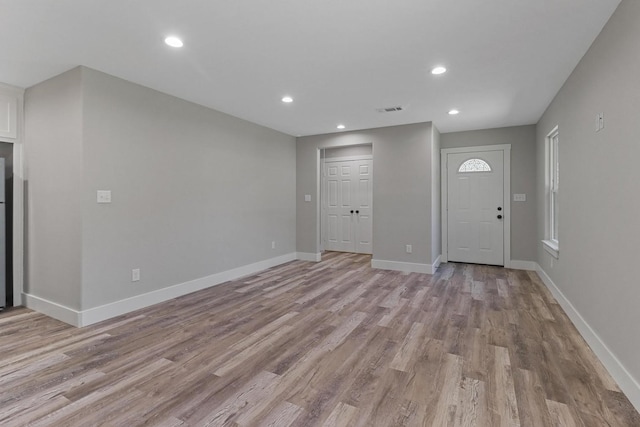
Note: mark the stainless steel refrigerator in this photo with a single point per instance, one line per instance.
(3, 267)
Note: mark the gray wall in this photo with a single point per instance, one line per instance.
(599, 200)
(401, 190)
(54, 176)
(354, 150)
(523, 178)
(194, 191)
(436, 196)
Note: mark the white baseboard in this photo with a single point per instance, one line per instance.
(127, 305)
(523, 265)
(52, 309)
(625, 380)
(406, 267)
(306, 256)
(437, 263)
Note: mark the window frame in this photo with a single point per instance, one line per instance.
(551, 241)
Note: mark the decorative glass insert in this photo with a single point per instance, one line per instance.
(475, 165)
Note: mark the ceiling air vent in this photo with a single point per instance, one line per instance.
(389, 109)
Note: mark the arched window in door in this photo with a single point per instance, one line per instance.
(474, 165)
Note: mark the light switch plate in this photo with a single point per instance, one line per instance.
(307, 197)
(599, 122)
(104, 196)
(519, 197)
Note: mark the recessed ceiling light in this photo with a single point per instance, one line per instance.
(454, 112)
(341, 126)
(287, 99)
(438, 70)
(173, 41)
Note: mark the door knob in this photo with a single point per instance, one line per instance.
(351, 211)
(499, 208)
(499, 216)
(357, 212)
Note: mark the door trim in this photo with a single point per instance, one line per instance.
(347, 158)
(506, 149)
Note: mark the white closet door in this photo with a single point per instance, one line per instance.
(348, 206)
(364, 227)
(339, 179)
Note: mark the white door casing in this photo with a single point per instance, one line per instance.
(476, 205)
(347, 203)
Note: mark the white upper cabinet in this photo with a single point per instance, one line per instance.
(11, 99)
(8, 116)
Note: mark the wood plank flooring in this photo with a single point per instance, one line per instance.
(334, 343)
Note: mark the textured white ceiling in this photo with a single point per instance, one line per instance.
(339, 59)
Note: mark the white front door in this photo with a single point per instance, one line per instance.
(475, 211)
(347, 201)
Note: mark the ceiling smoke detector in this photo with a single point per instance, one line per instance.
(389, 109)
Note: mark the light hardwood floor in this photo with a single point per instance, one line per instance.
(334, 343)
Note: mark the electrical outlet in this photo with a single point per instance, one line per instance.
(519, 197)
(135, 275)
(409, 249)
(273, 244)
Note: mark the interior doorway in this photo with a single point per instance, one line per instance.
(347, 199)
(6, 226)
